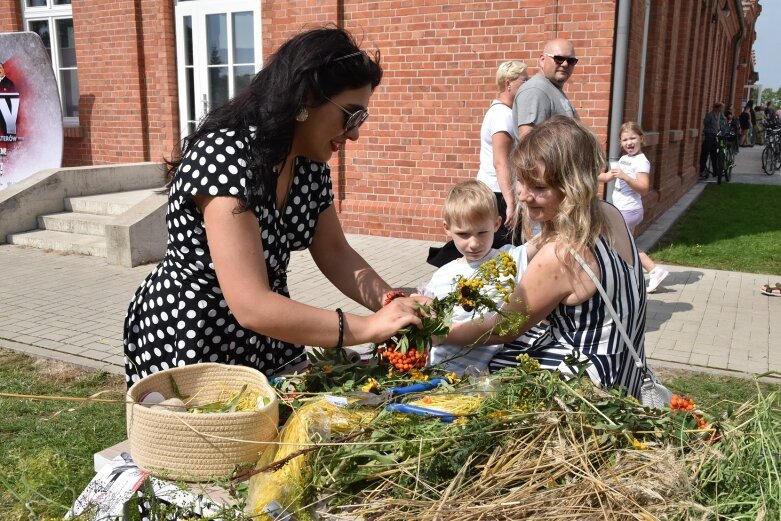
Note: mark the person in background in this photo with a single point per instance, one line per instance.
(542, 96)
(713, 122)
(558, 164)
(498, 135)
(745, 127)
(733, 132)
(6, 85)
(252, 185)
(759, 127)
(633, 180)
(770, 115)
(753, 115)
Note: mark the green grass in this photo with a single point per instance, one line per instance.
(718, 394)
(734, 227)
(46, 447)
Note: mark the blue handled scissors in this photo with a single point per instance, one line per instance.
(392, 393)
(406, 408)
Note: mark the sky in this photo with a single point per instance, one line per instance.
(768, 43)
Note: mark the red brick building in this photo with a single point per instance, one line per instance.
(135, 74)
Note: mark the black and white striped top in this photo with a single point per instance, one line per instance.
(588, 331)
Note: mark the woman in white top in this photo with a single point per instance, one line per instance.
(498, 135)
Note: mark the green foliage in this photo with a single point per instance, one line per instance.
(735, 227)
(423, 453)
(772, 95)
(743, 481)
(330, 369)
(46, 447)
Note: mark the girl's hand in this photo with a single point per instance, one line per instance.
(617, 173)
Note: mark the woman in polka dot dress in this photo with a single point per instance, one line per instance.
(253, 184)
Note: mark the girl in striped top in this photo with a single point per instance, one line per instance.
(557, 166)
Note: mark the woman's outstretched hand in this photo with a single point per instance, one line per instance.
(395, 315)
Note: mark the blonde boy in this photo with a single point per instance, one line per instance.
(470, 219)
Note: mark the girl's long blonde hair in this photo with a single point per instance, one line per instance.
(566, 156)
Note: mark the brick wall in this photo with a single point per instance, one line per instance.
(11, 19)
(128, 107)
(440, 61)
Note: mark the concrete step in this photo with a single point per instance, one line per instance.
(107, 204)
(75, 222)
(61, 241)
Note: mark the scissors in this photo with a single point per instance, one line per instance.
(392, 393)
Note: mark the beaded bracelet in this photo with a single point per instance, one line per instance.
(341, 327)
(392, 295)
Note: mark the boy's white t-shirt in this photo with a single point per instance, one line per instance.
(624, 198)
(458, 358)
(498, 118)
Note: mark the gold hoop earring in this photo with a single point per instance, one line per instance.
(302, 115)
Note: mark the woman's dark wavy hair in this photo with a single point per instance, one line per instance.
(306, 69)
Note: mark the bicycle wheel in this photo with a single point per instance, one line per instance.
(768, 160)
(728, 167)
(777, 155)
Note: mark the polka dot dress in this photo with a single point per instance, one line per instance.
(178, 315)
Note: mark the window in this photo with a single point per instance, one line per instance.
(218, 51)
(53, 21)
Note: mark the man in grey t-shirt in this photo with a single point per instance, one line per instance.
(541, 97)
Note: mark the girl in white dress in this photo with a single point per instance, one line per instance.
(633, 180)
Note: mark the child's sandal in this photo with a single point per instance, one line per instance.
(771, 291)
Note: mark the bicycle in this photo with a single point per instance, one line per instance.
(776, 133)
(725, 162)
(769, 152)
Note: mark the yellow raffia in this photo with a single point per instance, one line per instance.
(247, 402)
(454, 403)
(314, 422)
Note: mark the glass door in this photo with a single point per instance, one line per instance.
(217, 54)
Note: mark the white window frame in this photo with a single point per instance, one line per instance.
(51, 13)
(198, 9)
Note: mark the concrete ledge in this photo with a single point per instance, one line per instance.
(675, 135)
(650, 139)
(44, 192)
(139, 235)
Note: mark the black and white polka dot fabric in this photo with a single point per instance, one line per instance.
(178, 315)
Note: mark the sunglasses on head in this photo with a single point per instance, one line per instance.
(571, 60)
(352, 120)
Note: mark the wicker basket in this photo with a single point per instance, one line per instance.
(204, 446)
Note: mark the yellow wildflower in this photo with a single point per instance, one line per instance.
(639, 445)
(454, 379)
(415, 374)
(372, 386)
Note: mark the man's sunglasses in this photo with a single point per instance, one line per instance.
(571, 60)
(352, 120)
